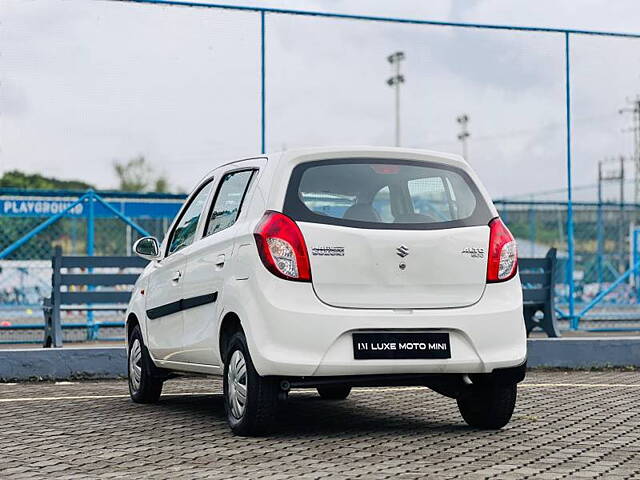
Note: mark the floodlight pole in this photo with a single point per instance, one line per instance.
(394, 81)
(464, 134)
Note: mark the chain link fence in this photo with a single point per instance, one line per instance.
(603, 253)
(25, 272)
(213, 83)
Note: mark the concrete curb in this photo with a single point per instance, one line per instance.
(584, 352)
(62, 363)
(111, 362)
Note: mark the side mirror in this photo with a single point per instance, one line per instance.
(147, 248)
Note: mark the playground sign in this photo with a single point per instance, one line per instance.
(20, 206)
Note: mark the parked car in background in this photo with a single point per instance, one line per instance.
(333, 268)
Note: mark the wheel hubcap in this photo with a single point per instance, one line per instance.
(135, 364)
(237, 384)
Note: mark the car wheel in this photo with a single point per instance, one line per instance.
(335, 392)
(251, 401)
(144, 386)
(488, 407)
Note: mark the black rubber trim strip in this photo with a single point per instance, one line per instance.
(180, 305)
(164, 310)
(199, 300)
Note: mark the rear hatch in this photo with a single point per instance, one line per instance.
(391, 233)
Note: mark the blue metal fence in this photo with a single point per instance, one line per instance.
(22, 209)
(89, 223)
(605, 287)
(566, 33)
(611, 267)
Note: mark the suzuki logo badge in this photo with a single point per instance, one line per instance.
(402, 251)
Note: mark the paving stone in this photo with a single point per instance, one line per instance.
(559, 430)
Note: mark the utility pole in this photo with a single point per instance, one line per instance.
(394, 81)
(464, 134)
(634, 110)
(618, 176)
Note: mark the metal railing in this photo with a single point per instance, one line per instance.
(579, 297)
(88, 223)
(566, 33)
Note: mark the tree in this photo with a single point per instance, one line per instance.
(26, 181)
(133, 175)
(161, 185)
(136, 175)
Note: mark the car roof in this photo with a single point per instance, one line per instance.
(362, 148)
(366, 151)
(353, 150)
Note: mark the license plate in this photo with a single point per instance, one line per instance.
(405, 345)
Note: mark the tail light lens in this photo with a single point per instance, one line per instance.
(503, 256)
(282, 248)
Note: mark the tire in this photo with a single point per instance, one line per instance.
(250, 401)
(488, 407)
(145, 386)
(338, 392)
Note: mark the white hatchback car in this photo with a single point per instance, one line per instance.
(333, 268)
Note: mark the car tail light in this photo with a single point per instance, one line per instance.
(282, 248)
(503, 256)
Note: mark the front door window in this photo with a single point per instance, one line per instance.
(185, 231)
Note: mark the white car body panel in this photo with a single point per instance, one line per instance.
(303, 328)
(297, 335)
(164, 333)
(435, 274)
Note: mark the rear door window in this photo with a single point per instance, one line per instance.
(228, 201)
(384, 194)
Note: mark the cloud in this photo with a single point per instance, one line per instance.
(84, 83)
(13, 99)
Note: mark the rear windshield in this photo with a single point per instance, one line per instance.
(399, 194)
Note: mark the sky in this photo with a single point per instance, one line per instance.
(84, 83)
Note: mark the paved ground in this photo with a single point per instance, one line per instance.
(567, 425)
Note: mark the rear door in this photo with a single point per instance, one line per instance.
(165, 292)
(391, 233)
(208, 265)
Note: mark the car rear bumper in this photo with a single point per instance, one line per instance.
(301, 336)
(450, 384)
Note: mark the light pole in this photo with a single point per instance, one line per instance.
(394, 81)
(463, 120)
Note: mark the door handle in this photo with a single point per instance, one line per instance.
(220, 261)
(177, 275)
